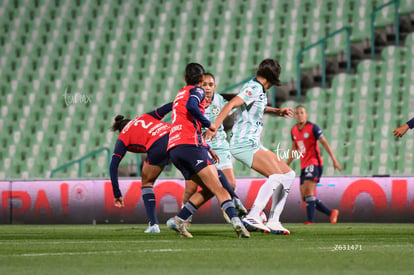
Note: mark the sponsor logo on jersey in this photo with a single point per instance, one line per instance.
(306, 135)
(215, 110)
(248, 92)
(175, 128)
(200, 91)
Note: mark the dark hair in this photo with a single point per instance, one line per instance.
(119, 123)
(194, 73)
(210, 74)
(270, 70)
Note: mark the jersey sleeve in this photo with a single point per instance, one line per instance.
(317, 132)
(196, 97)
(197, 93)
(160, 112)
(119, 152)
(250, 93)
(411, 123)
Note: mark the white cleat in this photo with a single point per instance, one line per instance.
(277, 228)
(152, 229)
(238, 226)
(255, 223)
(178, 225)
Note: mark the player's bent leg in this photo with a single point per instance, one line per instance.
(229, 173)
(149, 174)
(190, 189)
(308, 190)
(209, 177)
(231, 180)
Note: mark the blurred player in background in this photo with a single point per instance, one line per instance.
(400, 131)
(305, 136)
(144, 134)
(214, 103)
(245, 145)
(190, 153)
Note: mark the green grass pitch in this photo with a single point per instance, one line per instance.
(358, 248)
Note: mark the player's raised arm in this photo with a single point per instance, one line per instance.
(284, 112)
(292, 150)
(160, 112)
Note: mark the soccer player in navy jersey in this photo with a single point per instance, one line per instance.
(400, 131)
(190, 153)
(305, 137)
(144, 134)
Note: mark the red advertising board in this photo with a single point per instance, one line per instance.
(74, 201)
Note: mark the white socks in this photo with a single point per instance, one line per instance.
(280, 195)
(265, 192)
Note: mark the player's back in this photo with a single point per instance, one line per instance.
(141, 132)
(185, 128)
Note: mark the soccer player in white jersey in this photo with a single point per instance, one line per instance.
(250, 104)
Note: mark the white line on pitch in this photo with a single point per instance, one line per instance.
(19, 242)
(163, 250)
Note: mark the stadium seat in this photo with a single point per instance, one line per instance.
(129, 57)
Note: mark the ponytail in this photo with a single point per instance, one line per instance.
(119, 123)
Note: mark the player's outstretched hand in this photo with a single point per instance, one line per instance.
(336, 165)
(119, 202)
(400, 131)
(286, 112)
(210, 132)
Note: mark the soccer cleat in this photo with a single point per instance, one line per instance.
(333, 217)
(277, 228)
(309, 223)
(152, 228)
(241, 231)
(255, 223)
(178, 225)
(240, 207)
(226, 217)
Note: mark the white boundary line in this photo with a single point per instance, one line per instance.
(162, 250)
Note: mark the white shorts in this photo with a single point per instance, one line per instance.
(225, 159)
(245, 152)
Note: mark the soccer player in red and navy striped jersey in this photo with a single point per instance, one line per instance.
(144, 134)
(305, 137)
(190, 153)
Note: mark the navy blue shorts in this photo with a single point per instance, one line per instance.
(157, 154)
(190, 159)
(311, 172)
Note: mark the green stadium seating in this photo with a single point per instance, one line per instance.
(129, 56)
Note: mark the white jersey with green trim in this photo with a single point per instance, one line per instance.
(248, 118)
(219, 141)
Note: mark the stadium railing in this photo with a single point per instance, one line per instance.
(396, 22)
(80, 160)
(322, 42)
